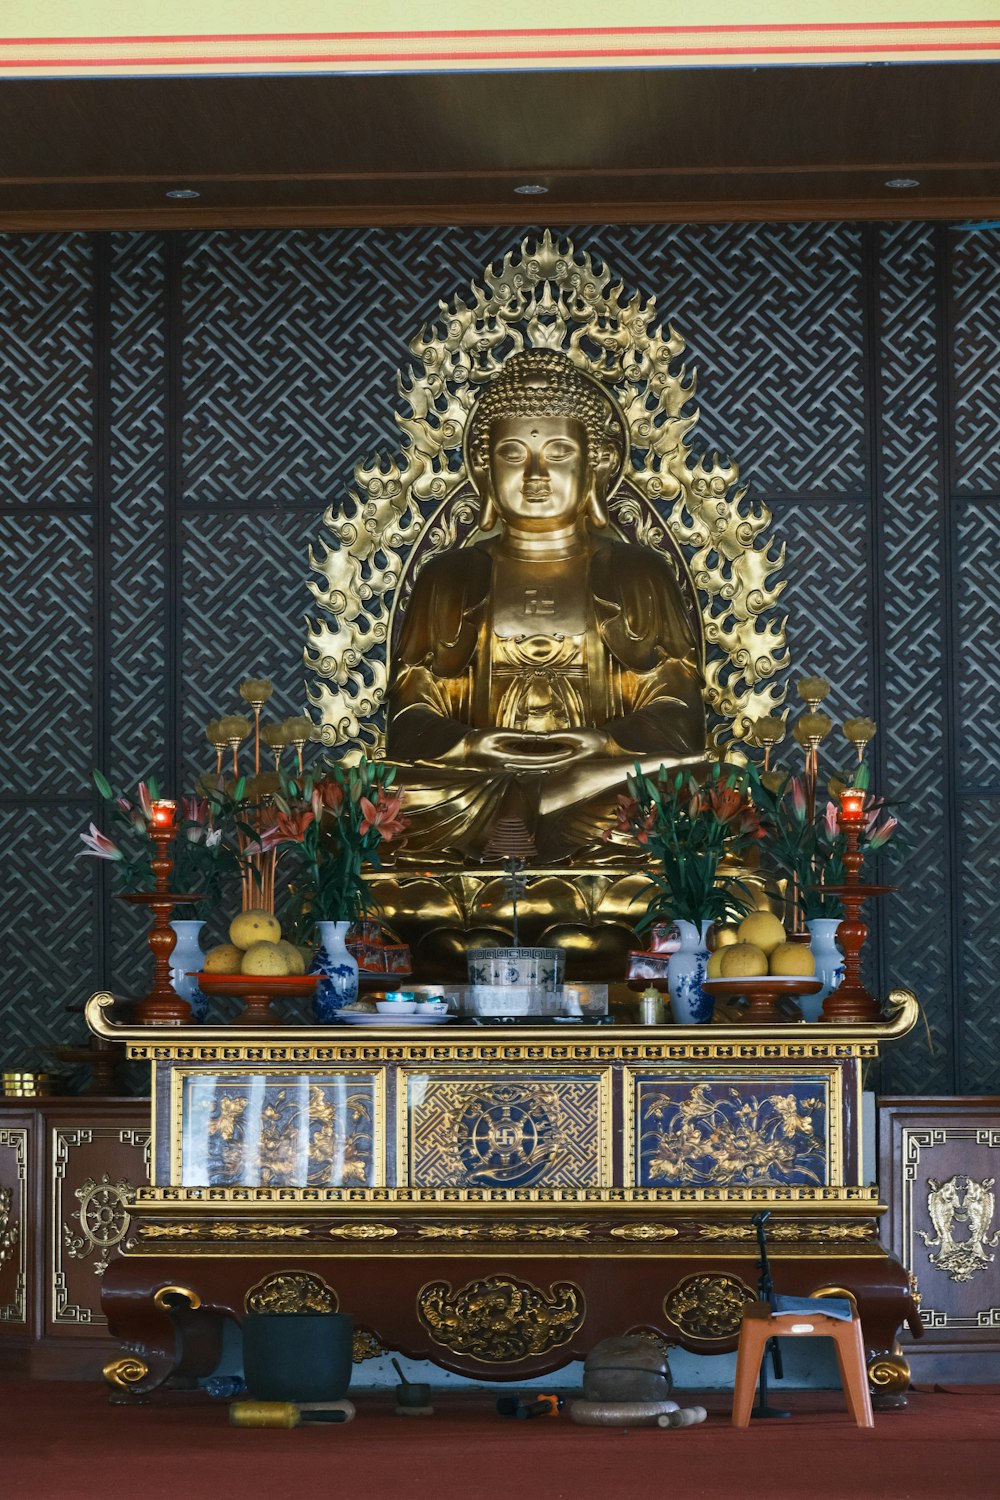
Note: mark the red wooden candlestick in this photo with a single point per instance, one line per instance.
(852, 1001)
(161, 1006)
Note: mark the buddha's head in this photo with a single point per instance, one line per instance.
(545, 444)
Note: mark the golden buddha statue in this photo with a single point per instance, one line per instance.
(536, 666)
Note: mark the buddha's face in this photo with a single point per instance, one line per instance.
(538, 475)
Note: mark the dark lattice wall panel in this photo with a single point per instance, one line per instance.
(46, 369)
(243, 594)
(827, 598)
(977, 529)
(980, 946)
(47, 664)
(139, 537)
(50, 913)
(976, 359)
(772, 315)
(912, 746)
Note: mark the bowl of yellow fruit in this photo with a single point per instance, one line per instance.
(761, 966)
(257, 965)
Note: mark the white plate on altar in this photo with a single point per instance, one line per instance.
(372, 1018)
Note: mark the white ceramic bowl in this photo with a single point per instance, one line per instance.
(396, 1007)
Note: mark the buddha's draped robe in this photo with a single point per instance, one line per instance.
(634, 673)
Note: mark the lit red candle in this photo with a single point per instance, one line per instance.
(163, 814)
(852, 804)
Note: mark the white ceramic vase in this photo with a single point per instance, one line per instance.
(186, 961)
(829, 963)
(689, 1004)
(338, 985)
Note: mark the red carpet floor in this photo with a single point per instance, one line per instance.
(64, 1442)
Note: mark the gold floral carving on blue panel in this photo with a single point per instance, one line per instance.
(511, 1133)
(768, 1132)
(278, 1130)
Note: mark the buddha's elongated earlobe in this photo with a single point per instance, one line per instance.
(597, 508)
(487, 513)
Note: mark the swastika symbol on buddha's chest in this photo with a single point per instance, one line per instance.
(537, 602)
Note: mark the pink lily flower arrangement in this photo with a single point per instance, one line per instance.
(203, 858)
(336, 822)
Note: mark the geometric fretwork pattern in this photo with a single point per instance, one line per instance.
(977, 530)
(911, 746)
(139, 539)
(49, 907)
(248, 370)
(502, 1131)
(976, 359)
(773, 319)
(980, 949)
(47, 663)
(46, 369)
(243, 602)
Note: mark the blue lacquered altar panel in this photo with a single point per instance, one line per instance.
(706, 1127)
(278, 1127)
(461, 1127)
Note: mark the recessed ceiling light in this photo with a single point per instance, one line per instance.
(530, 188)
(182, 193)
(903, 182)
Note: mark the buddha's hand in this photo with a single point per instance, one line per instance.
(509, 747)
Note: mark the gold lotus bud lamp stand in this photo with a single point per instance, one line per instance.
(256, 691)
(852, 1001)
(162, 1006)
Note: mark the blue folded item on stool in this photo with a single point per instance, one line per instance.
(829, 1307)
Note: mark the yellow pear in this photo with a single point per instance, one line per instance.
(296, 963)
(743, 961)
(225, 958)
(714, 967)
(254, 927)
(763, 930)
(265, 959)
(793, 958)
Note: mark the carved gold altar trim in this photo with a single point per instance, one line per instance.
(836, 1199)
(709, 1305)
(313, 1044)
(730, 1135)
(266, 1069)
(125, 1372)
(503, 1232)
(164, 1297)
(13, 1220)
(501, 1319)
(779, 1231)
(644, 1231)
(548, 296)
(291, 1292)
(458, 1103)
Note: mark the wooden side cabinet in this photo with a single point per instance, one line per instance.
(66, 1166)
(939, 1171)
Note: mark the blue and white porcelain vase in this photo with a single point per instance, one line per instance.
(338, 985)
(689, 1004)
(186, 961)
(828, 961)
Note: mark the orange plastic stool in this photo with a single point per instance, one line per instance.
(760, 1324)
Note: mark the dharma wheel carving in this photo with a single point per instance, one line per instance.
(501, 1319)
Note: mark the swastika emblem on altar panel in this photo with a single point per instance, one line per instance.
(550, 1131)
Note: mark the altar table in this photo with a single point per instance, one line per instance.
(499, 1199)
